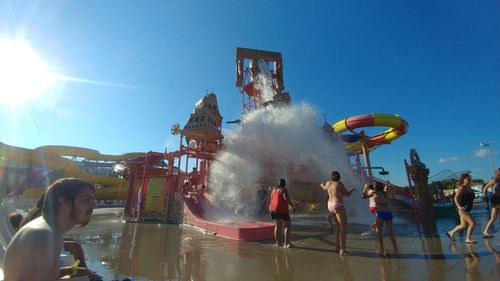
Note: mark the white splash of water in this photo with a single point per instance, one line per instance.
(263, 83)
(271, 139)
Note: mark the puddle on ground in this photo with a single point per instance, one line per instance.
(148, 251)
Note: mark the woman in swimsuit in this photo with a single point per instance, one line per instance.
(464, 199)
(336, 193)
(384, 216)
(494, 200)
(280, 200)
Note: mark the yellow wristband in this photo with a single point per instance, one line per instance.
(74, 266)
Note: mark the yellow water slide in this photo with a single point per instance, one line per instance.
(58, 158)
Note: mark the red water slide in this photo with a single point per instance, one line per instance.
(201, 213)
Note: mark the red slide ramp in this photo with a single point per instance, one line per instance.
(201, 213)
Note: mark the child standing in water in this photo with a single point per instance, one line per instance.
(368, 190)
(280, 200)
(336, 193)
(384, 216)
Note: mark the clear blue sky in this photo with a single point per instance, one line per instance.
(435, 63)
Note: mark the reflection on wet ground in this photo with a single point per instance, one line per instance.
(169, 252)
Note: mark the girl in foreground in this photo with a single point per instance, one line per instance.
(336, 193)
(384, 215)
(464, 199)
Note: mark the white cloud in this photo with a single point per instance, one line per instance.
(482, 152)
(448, 159)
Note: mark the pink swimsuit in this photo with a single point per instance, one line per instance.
(334, 207)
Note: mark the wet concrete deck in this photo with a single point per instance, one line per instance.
(143, 251)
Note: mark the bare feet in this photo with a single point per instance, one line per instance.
(396, 253)
(450, 236)
(487, 235)
(343, 253)
(381, 253)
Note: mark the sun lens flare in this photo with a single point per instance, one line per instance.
(23, 74)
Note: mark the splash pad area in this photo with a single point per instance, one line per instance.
(146, 251)
(117, 249)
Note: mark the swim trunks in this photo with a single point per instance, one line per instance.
(384, 215)
(284, 217)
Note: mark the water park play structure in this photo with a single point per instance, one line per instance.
(27, 172)
(160, 191)
(160, 186)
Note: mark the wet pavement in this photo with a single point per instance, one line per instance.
(146, 251)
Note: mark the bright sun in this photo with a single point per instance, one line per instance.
(23, 74)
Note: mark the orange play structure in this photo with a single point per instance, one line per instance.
(160, 185)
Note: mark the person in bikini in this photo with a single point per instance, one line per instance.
(464, 200)
(336, 193)
(384, 216)
(280, 200)
(494, 200)
(329, 217)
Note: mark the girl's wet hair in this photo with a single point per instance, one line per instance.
(335, 176)
(282, 183)
(378, 186)
(462, 178)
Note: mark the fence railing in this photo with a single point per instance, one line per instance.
(19, 204)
